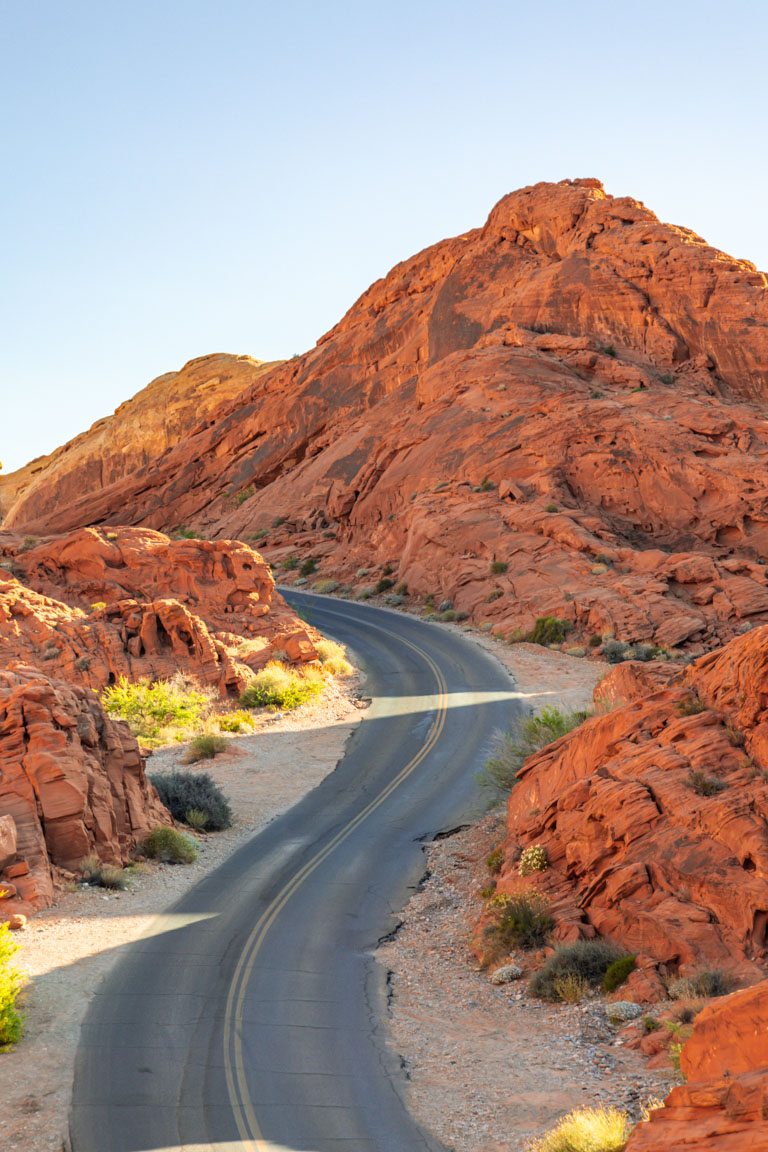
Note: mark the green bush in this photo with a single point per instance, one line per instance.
(205, 747)
(11, 981)
(530, 735)
(551, 508)
(498, 567)
(236, 721)
(244, 495)
(102, 875)
(549, 630)
(495, 861)
(290, 563)
(333, 657)
(276, 686)
(518, 920)
(184, 791)
(385, 584)
(170, 846)
(616, 974)
(197, 819)
(152, 708)
(589, 959)
(308, 567)
(586, 1130)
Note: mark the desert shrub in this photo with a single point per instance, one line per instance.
(290, 563)
(11, 981)
(617, 973)
(551, 508)
(244, 494)
(650, 1024)
(496, 594)
(586, 1130)
(333, 657)
(153, 708)
(571, 988)
(533, 859)
(102, 875)
(402, 590)
(735, 738)
(325, 587)
(595, 641)
(518, 920)
(705, 983)
(549, 630)
(276, 686)
(169, 846)
(204, 747)
(615, 651)
(308, 567)
(448, 616)
(498, 566)
(691, 706)
(183, 533)
(83, 663)
(702, 784)
(608, 349)
(385, 584)
(589, 959)
(185, 791)
(530, 735)
(197, 819)
(495, 860)
(485, 484)
(235, 721)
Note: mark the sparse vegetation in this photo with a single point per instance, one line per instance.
(169, 846)
(529, 736)
(385, 584)
(571, 988)
(290, 563)
(308, 567)
(495, 861)
(236, 721)
(551, 508)
(533, 859)
(276, 686)
(244, 494)
(691, 706)
(549, 630)
(586, 1130)
(517, 920)
(11, 982)
(183, 533)
(205, 747)
(705, 983)
(617, 973)
(182, 792)
(703, 784)
(589, 959)
(102, 875)
(486, 485)
(333, 657)
(156, 712)
(498, 566)
(615, 651)
(197, 819)
(27, 543)
(496, 594)
(608, 349)
(402, 590)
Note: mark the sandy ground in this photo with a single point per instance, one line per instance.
(486, 1067)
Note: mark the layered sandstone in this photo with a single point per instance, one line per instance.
(137, 434)
(72, 784)
(96, 605)
(723, 1107)
(654, 818)
(575, 390)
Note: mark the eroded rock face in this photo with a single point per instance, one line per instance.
(72, 783)
(576, 390)
(96, 605)
(655, 820)
(139, 432)
(723, 1107)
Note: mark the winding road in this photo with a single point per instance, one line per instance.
(250, 1017)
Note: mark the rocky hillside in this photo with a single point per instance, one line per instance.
(139, 432)
(574, 393)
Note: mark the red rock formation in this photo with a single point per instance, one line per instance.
(140, 431)
(72, 784)
(97, 605)
(655, 819)
(723, 1107)
(574, 389)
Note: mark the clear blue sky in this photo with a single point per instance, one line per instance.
(191, 177)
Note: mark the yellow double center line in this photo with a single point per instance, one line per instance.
(242, 1105)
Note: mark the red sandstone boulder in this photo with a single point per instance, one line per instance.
(71, 781)
(655, 820)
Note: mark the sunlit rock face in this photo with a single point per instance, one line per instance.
(574, 390)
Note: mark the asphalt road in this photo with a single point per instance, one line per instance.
(251, 1016)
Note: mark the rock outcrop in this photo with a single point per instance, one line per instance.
(99, 604)
(138, 433)
(654, 818)
(575, 391)
(72, 784)
(723, 1107)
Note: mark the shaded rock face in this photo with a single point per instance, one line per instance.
(96, 605)
(72, 784)
(574, 389)
(655, 819)
(723, 1107)
(140, 431)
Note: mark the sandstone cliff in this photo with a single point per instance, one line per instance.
(138, 433)
(574, 390)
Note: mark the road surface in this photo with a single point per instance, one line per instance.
(250, 1017)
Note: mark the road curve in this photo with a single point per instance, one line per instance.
(250, 1016)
